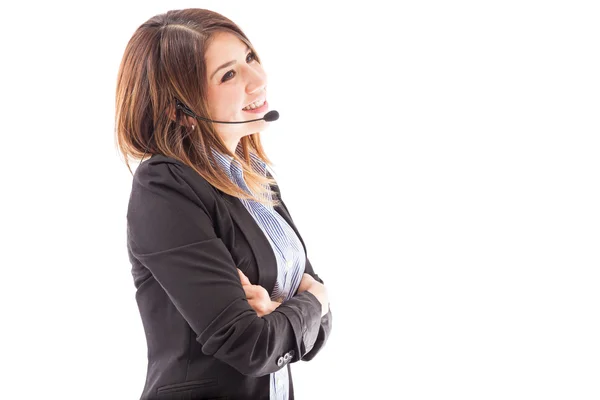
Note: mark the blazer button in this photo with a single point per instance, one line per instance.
(292, 353)
(280, 361)
(287, 357)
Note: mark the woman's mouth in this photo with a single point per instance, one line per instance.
(260, 109)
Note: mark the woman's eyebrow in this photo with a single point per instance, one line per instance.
(227, 64)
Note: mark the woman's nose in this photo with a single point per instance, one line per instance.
(257, 81)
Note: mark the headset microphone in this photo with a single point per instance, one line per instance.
(269, 117)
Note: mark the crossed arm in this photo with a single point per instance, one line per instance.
(261, 302)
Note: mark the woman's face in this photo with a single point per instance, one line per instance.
(233, 87)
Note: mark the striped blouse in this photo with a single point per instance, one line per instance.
(286, 246)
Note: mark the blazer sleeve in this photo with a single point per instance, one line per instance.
(171, 233)
(325, 325)
(326, 320)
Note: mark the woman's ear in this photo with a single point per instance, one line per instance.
(172, 113)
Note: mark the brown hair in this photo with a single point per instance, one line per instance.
(163, 60)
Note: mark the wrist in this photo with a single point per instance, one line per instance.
(274, 305)
(320, 292)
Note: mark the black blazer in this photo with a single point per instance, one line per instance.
(185, 240)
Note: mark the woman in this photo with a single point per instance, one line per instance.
(228, 298)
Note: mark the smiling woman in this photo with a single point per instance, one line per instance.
(236, 87)
(226, 292)
(205, 61)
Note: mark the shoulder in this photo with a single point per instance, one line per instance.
(160, 169)
(168, 179)
(170, 206)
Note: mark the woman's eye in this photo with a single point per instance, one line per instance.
(231, 73)
(251, 54)
(226, 75)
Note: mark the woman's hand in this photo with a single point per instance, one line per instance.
(319, 290)
(258, 297)
(305, 283)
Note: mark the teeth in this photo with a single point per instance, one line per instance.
(254, 105)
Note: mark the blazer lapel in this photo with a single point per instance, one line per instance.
(283, 211)
(260, 245)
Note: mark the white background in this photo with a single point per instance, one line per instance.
(441, 160)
